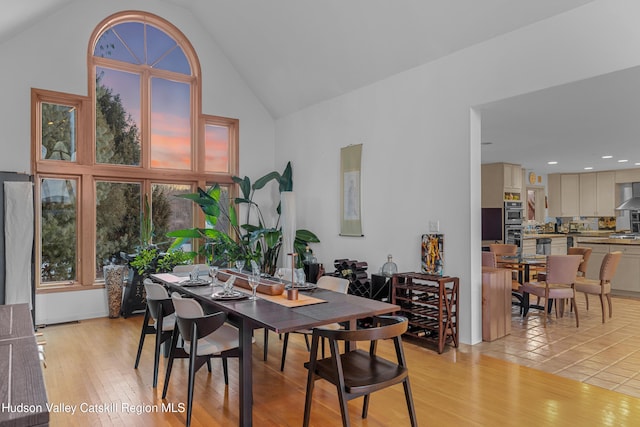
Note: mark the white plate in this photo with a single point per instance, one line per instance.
(231, 296)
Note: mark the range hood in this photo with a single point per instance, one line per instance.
(633, 203)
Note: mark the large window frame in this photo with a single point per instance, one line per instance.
(87, 171)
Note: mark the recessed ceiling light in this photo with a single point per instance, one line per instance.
(588, 168)
(607, 157)
(623, 161)
(552, 163)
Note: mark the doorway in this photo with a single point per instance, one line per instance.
(535, 206)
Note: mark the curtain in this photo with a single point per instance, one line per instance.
(18, 232)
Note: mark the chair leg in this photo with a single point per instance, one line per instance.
(344, 410)
(306, 341)
(157, 351)
(410, 406)
(586, 300)
(209, 365)
(266, 344)
(284, 350)
(308, 399)
(225, 370)
(576, 311)
(174, 342)
(142, 335)
(192, 373)
(602, 306)
(610, 307)
(365, 405)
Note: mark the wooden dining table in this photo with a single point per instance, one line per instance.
(248, 315)
(523, 263)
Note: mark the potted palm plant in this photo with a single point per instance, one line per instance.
(250, 241)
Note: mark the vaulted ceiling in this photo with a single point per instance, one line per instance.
(295, 53)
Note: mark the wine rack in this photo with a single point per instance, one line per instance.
(430, 303)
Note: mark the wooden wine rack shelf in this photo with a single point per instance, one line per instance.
(430, 303)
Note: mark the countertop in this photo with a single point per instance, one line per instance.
(592, 233)
(605, 241)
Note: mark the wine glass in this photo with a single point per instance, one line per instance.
(280, 274)
(239, 265)
(213, 272)
(254, 281)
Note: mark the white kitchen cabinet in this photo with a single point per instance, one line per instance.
(606, 194)
(529, 246)
(500, 182)
(627, 277)
(588, 197)
(512, 178)
(564, 195)
(597, 194)
(559, 246)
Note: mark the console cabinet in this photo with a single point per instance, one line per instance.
(431, 305)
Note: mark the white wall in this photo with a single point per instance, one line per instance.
(421, 141)
(53, 55)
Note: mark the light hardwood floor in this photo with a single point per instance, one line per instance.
(91, 363)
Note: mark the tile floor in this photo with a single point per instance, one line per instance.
(606, 355)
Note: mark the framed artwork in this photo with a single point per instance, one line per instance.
(433, 254)
(350, 217)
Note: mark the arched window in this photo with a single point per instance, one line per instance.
(139, 135)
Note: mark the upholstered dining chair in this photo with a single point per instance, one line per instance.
(205, 336)
(586, 254)
(359, 372)
(561, 275)
(336, 284)
(601, 287)
(489, 259)
(160, 309)
(503, 249)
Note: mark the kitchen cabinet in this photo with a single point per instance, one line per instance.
(564, 195)
(627, 277)
(597, 194)
(512, 175)
(529, 246)
(559, 246)
(500, 182)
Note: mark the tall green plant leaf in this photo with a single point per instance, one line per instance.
(286, 179)
(244, 184)
(261, 182)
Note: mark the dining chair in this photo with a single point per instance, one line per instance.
(332, 283)
(205, 336)
(561, 275)
(356, 372)
(601, 287)
(160, 309)
(187, 268)
(503, 249)
(489, 259)
(586, 254)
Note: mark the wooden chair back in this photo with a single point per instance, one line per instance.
(585, 253)
(489, 259)
(503, 249)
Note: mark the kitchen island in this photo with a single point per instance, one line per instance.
(558, 245)
(627, 278)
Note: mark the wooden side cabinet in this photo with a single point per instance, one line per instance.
(431, 305)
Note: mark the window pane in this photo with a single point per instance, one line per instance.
(169, 212)
(117, 117)
(118, 215)
(58, 230)
(58, 132)
(216, 147)
(123, 42)
(163, 52)
(170, 124)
